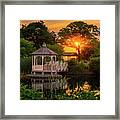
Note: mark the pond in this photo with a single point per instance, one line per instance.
(92, 79)
(72, 80)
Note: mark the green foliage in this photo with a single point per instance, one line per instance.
(94, 65)
(75, 67)
(87, 96)
(25, 65)
(96, 50)
(29, 94)
(26, 48)
(86, 53)
(78, 96)
(56, 48)
(37, 32)
(72, 66)
(82, 66)
(63, 96)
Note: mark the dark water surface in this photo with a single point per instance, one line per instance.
(93, 80)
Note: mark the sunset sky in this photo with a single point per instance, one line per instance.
(56, 25)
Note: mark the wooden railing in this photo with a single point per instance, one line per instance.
(55, 67)
(37, 68)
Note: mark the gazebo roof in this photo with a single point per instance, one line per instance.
(44, 51)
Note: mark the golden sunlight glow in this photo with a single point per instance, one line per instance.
(77, 44)
(69, 49)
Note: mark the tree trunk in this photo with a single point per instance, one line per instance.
(78, 55)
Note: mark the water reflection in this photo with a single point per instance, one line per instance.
(93, 81)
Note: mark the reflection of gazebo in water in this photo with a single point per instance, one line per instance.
(45, 70)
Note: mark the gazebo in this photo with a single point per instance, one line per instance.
(44, 61)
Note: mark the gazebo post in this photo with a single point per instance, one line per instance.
(55, 58)
(55, 64)
(34, 62)
(51, 57)
(42, 64)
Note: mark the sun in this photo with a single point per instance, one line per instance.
(77, 44)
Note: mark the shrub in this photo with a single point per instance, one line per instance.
(29, 94)
(25, 65)
(94, 65)
(75, 67)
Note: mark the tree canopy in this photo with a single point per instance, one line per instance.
(79, 28)
(37, 32)
(81, 36)
(26, 48)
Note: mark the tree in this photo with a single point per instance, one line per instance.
(56, 48)
(79, 28)
(75, 67)
(79, 35)
(94, 65)
(25, 65)
(37, 32)
(54, 36)
(93, 51)
(96, 47)
(26, 48)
